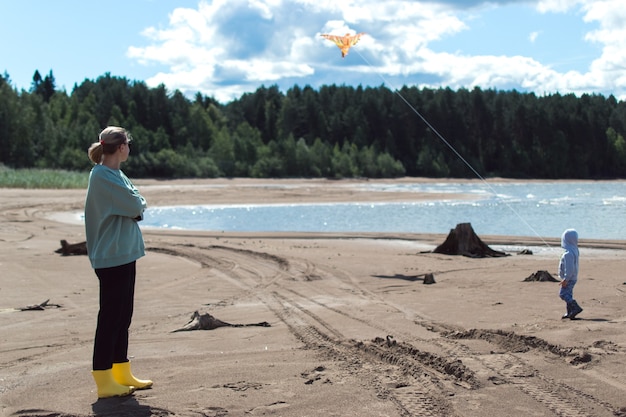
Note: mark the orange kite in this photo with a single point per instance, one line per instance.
(344, 42)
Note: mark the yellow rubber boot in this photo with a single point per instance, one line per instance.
(107, 387)
(123, 375)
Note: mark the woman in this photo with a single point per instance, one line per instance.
(113, 207)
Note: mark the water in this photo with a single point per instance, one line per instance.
(596, 209)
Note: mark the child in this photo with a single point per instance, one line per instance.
(568, 272)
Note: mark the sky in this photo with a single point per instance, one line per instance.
(225, 48)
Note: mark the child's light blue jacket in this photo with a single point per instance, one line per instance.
(568, 266)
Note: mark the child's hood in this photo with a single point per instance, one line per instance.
(569, 241)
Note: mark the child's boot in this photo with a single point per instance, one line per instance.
(124, 376)
(569, 311)
(575, 310)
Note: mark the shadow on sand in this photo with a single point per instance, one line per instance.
(425, 278)
(585, 319)
(125, 407)
(411, 278)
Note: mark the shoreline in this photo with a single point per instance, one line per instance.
(247, 191)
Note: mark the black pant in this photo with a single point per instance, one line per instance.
(117, 293)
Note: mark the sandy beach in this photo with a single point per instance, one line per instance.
(353, 330)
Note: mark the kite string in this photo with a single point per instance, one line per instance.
(449, 145)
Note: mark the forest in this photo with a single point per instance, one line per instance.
(335, 131)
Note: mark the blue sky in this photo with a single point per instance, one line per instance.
(224, 48)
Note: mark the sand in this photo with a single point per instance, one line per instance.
(354, 331)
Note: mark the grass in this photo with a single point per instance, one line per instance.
(42, 178)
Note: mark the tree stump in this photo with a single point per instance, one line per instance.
(462, 240)
(541, 276)
(429, 279)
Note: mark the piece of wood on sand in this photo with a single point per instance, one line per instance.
(68, 249)
(462, 240)
(37, 307)
(208, 322)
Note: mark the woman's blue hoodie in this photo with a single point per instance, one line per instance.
(112, 207)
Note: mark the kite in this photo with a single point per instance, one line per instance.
(344, 42)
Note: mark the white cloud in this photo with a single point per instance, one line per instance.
(609, 69)
(264, 7)
(557, 6)
(227, 47)
(533, 36)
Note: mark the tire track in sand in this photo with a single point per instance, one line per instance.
(266, 277)
(561, 398)
(418, 382)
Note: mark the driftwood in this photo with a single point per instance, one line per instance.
(541, 276)
(208, 322)
(462, 240)
(68, 249)
(41, 306)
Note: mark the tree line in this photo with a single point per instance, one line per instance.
(334, 131)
